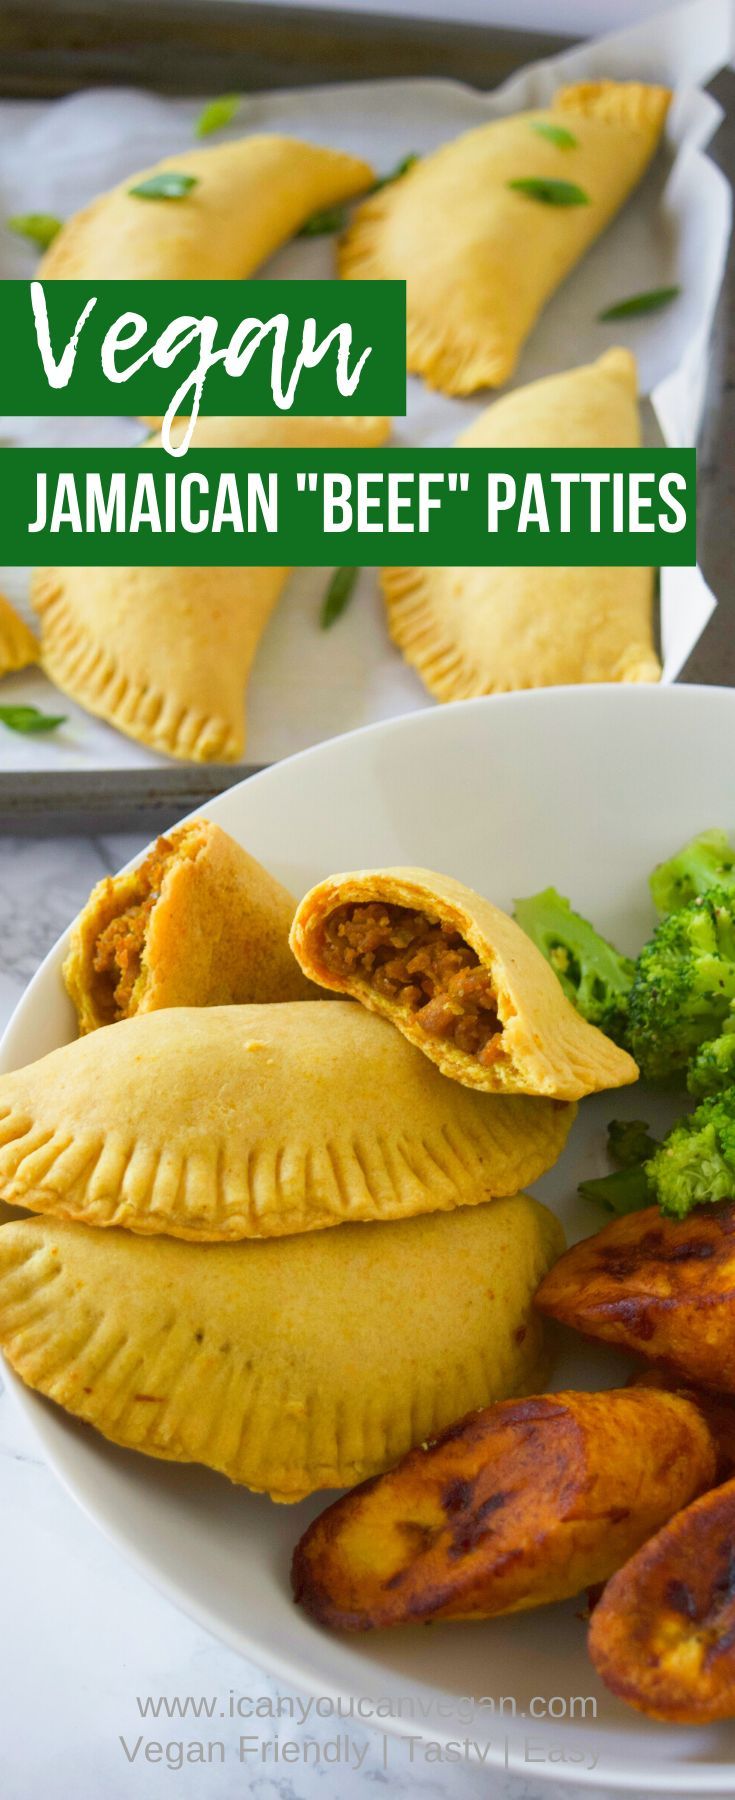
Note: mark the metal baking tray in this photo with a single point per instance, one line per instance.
(53, 47)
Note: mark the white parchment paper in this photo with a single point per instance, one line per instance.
(307, 685)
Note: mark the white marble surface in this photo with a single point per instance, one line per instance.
(84, 1639)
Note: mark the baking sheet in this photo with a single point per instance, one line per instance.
(307, 685)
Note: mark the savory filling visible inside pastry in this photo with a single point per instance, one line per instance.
(423, 965)
(460, 980)
(119, 948)
(198, 923)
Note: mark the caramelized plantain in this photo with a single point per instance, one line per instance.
(522, 1503)
(663, 1287)
(663, 1635)
(718, 1410)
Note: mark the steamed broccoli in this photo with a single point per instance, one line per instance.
(629, 1142)
(684, 985)
(708, 861)
(694, 1165)
(713, 1066)
(696, 1162)
(627, 1189)
(594, 976)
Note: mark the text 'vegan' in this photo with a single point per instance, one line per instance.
(131, 328)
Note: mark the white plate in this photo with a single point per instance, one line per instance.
(586, 788)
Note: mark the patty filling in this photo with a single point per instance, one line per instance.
(118, 953)
(420, 964)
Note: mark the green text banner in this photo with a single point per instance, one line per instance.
(107, 347)
(311, 507)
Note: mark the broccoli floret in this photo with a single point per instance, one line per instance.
(594, 976)
(696, 1162)
(629, 1142)
(694, 1165)
(684, 985)
(708, 861)
(713, 1067)
(630, 1145)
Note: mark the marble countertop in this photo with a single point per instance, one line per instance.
(85, 1640)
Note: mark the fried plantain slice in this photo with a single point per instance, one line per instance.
(663, 1635)
(663, 1287)
(519, 1504)
(718, 1410)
